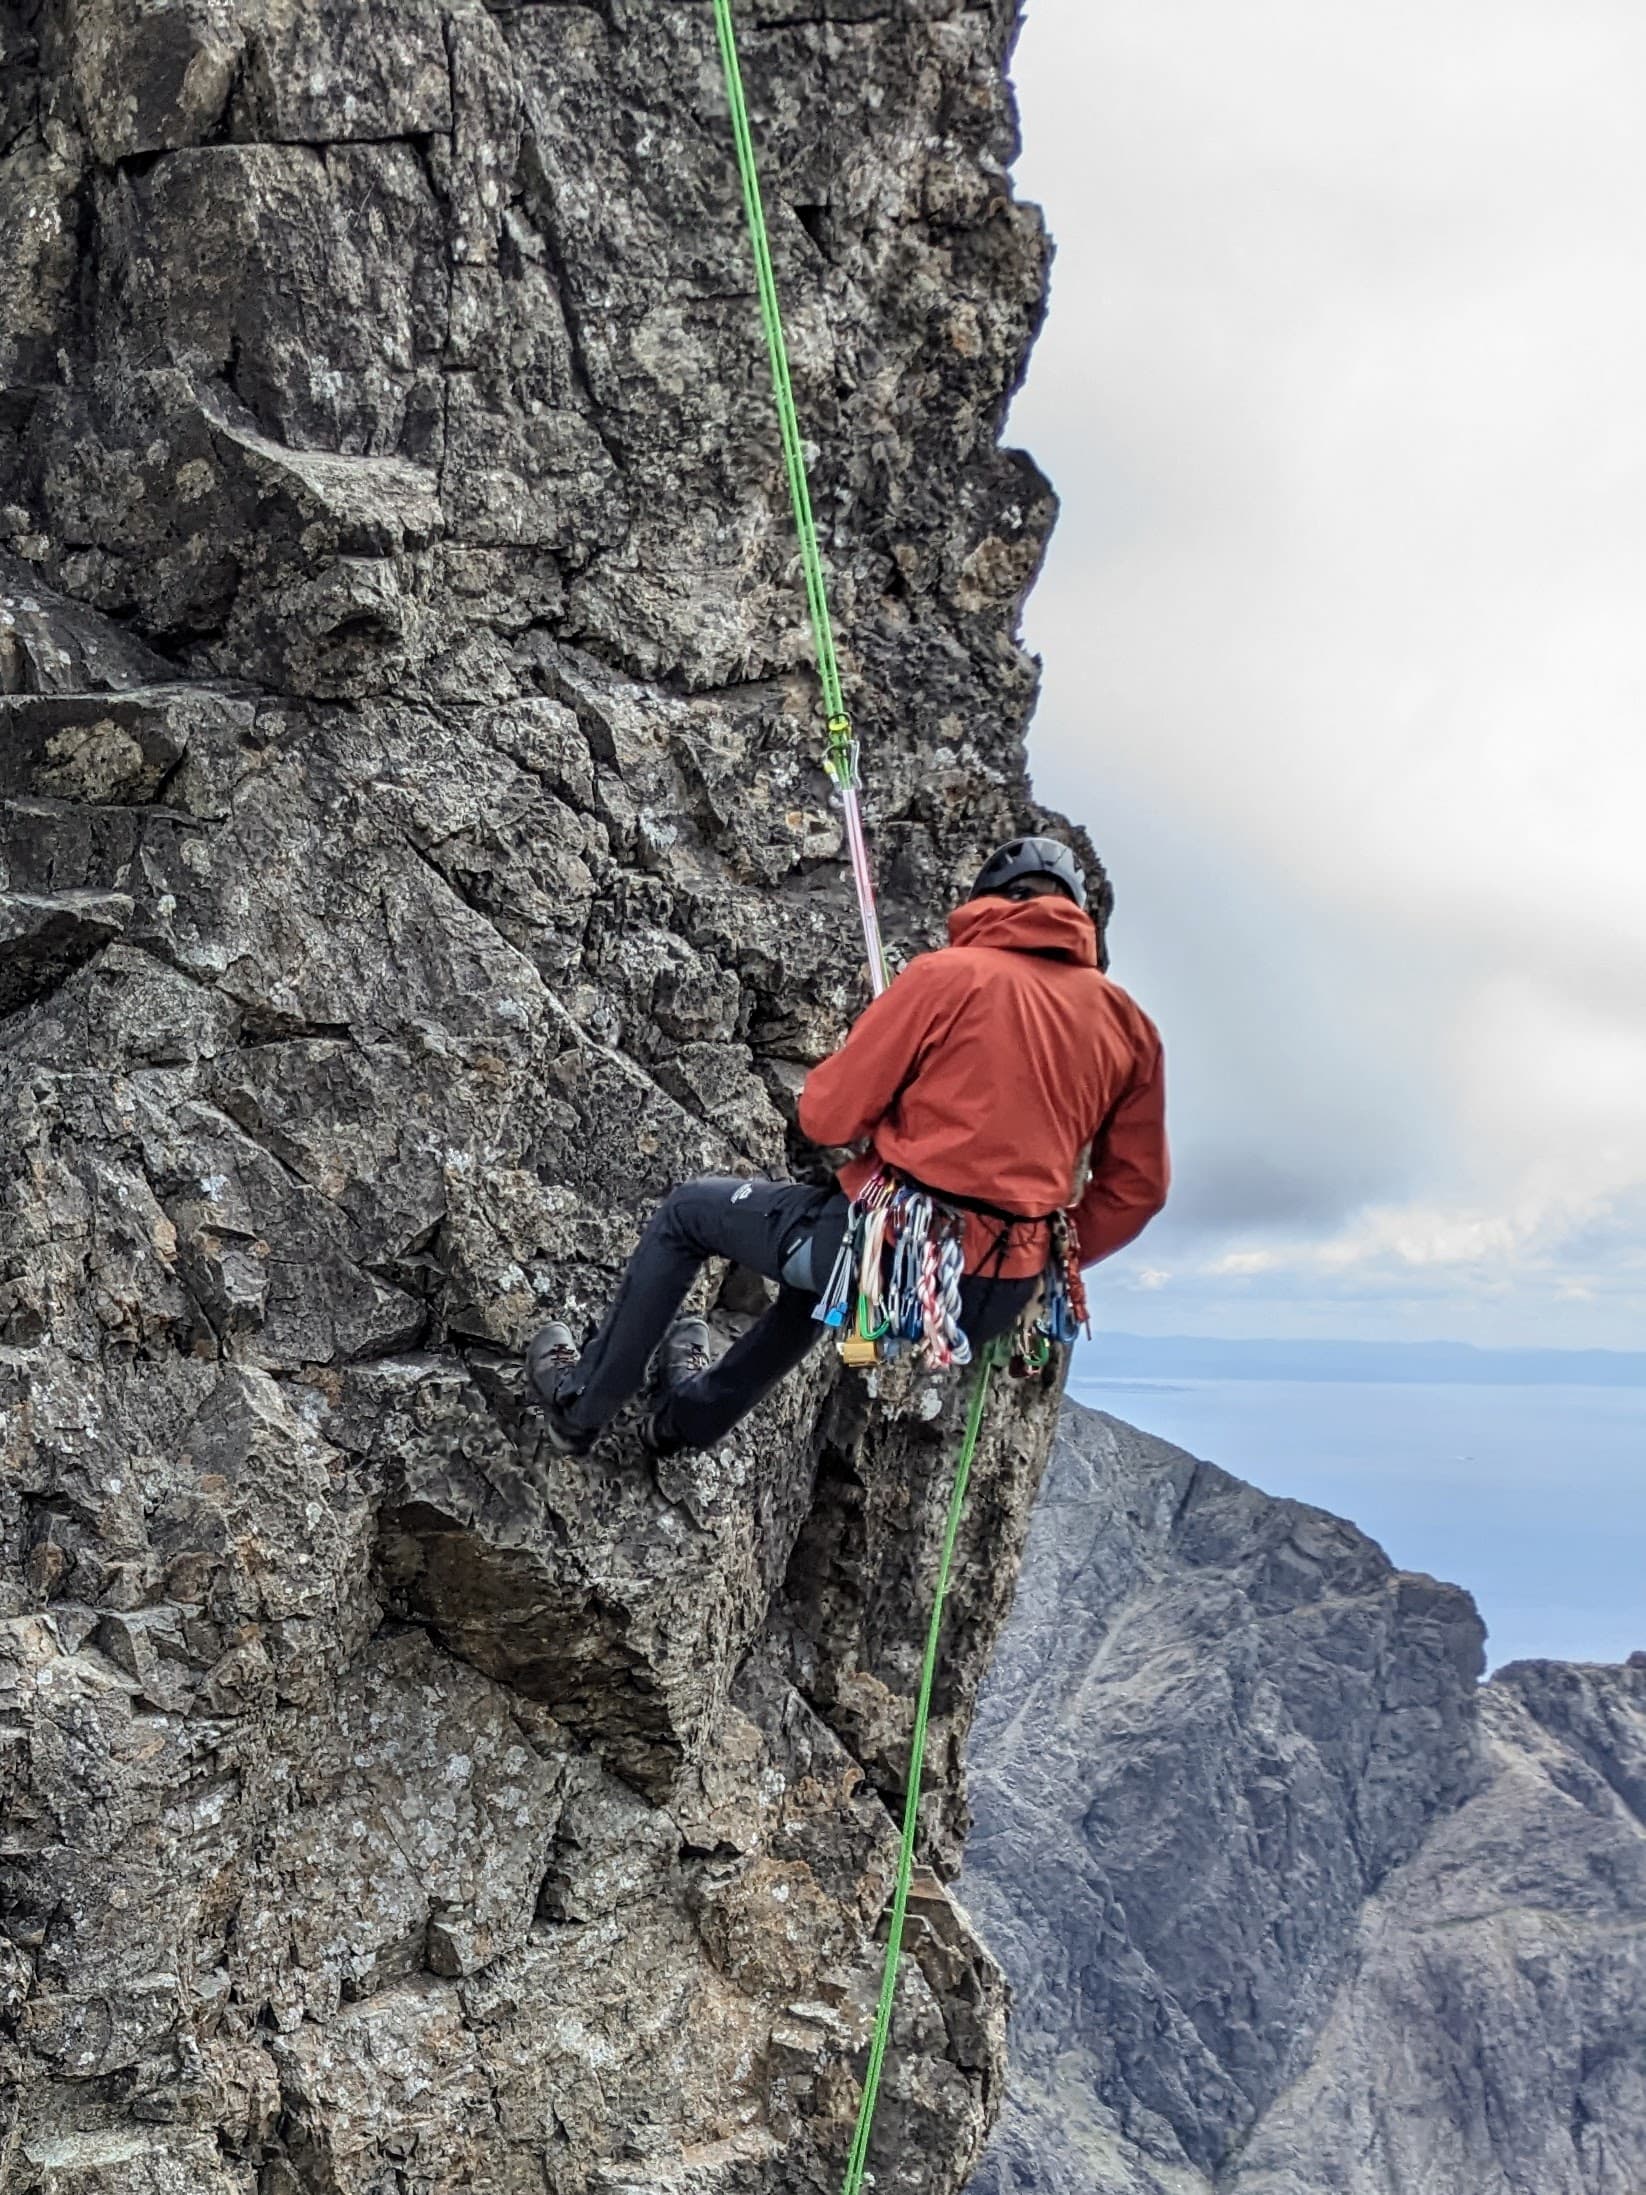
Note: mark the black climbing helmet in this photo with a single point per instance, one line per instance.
(1022, 857)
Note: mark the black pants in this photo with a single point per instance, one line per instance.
(760, 1224)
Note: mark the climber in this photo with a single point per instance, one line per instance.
(993, 1072)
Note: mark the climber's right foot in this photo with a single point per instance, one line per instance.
(550, 1355)
(654, 1442)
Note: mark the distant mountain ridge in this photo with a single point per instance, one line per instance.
(1189, 1356)
(1290, 1902)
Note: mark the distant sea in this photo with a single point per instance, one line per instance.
(1530, 1493)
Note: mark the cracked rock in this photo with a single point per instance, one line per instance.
(416, 857)
(45, 935)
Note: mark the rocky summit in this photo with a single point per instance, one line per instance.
(1291, 1904)
(414, 856)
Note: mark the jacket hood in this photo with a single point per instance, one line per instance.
(1049, 924)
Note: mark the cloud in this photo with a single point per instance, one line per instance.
(1345, 665)
(1554, 1275)
(1294, 1045)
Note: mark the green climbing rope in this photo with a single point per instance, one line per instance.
(788, 420)
(857, 2161)
(842, 766)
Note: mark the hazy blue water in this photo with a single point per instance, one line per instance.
(1532, 1497)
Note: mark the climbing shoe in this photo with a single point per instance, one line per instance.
(685, 1353)
(550, 1355)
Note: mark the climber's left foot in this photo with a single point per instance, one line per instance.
(550, 1355)
(686, 1351)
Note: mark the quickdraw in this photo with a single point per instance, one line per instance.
(897, 1276)
(1060, 1313)
(896, 1281)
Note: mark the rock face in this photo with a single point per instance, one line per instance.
(413, 857)
(1290, 1903)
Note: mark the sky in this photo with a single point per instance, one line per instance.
(1343, 387)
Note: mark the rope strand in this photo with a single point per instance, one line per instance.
(857, 2161)
(840, 759)
(945, 1341)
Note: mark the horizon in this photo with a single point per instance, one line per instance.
(1350, 1360)
(1392, 1344)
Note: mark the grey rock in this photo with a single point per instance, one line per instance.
(156, 2162)
(49, 645)
(416, 857)
(96, 748)
(1291, 1904)
(43, 935)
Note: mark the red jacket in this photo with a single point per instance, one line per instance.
(988, 1068)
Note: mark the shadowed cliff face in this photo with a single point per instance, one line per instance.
(412, 859)
(1290, 1904)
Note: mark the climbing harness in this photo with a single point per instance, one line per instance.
(841, 755)
(896, 1282)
